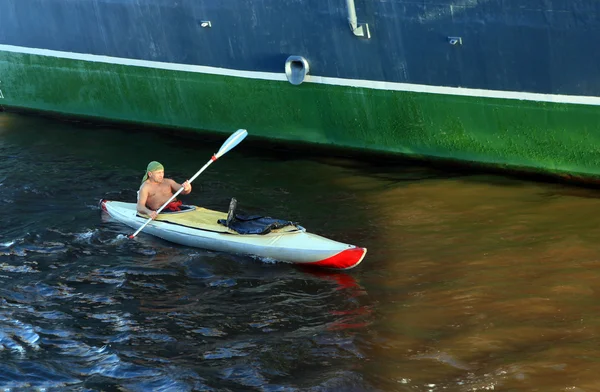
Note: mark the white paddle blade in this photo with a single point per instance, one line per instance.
(231, 142)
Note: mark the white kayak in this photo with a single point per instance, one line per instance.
(198, 228)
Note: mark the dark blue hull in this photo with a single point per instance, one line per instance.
(528, 45)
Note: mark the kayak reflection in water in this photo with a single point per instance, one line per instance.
(156, 190)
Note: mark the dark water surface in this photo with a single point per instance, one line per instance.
(472, 282)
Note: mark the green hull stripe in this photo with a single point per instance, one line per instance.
(369, 84)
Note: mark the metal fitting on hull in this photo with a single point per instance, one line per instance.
(296, 69)
(359, 30)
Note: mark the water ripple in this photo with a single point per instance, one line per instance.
(237, 350)
(83, 308)
(27, 374)
(18, 268)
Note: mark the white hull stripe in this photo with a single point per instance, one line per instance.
(369, 84)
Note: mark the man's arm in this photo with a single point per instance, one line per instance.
(141, 204)
(187, 187)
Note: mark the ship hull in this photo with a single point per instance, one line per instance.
(509, 121)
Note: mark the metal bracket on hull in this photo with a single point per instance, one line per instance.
(359, 30)
(455, 40)
(1, 96)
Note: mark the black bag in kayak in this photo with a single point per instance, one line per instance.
(251, 224)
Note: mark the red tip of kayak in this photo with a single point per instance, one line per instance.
(103, 205)
(346, 259)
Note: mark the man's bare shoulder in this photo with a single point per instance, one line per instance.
(145, 186)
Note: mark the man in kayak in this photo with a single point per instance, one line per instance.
(156, 190)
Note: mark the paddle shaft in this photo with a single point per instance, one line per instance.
(230, 143)
(214, 158)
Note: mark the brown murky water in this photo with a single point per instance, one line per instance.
(472, 282)
(482, 282)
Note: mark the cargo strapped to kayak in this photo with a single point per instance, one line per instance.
(254, 224)
(251, 224)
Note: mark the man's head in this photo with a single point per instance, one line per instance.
(155, 171)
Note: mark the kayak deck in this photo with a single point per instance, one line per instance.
(199, 228)
(203, 219)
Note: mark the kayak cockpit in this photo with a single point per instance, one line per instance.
(182, 209)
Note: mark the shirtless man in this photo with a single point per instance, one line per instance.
(156, 190)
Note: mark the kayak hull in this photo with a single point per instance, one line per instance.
(298, 246)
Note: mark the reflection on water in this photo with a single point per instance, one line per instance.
(472, 281)
(486, 283)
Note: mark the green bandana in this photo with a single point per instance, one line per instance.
(152, 166)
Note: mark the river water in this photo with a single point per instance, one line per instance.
(472, 281)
